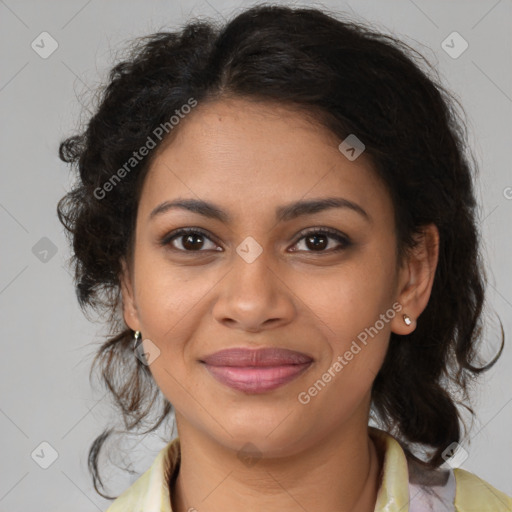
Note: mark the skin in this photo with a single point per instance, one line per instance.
(249, 158)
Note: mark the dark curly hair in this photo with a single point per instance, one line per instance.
(352, 79)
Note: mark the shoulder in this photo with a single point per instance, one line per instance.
(453, 490)
(409, 485)
(475, 494)
(151, 491)
(131, 498)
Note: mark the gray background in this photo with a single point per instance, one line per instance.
(47, 343)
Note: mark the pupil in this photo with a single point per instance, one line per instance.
(192, 239)
(316, 244)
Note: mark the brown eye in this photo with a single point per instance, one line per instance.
(317, 240)
(191, 240)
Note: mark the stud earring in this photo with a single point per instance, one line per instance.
(407, 320)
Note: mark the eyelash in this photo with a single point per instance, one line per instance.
(332, 233)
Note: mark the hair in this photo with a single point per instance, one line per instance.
(352, 79)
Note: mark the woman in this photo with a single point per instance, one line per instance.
(279, 216)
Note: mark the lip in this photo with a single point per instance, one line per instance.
(256, 370)
(270, 356)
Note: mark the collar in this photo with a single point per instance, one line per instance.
(404, 486)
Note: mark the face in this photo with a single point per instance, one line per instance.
(254, 279)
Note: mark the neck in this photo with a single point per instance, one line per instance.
(338, 473)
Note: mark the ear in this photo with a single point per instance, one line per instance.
(130, 314)
(416, 278)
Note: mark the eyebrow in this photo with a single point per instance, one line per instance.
(283, 213)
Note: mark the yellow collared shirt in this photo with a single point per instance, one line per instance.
(405, 486)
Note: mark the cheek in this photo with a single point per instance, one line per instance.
(167, 295)
(356, 344)
(355, 306)
(353, 297)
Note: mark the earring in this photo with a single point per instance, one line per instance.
(407, 320)
(136, 338)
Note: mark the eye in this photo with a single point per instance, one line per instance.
(318, 239)
(191, 239)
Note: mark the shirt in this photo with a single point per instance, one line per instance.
(405, 485)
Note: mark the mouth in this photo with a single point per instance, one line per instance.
(256, 371)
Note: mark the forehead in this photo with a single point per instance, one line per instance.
(251, 157)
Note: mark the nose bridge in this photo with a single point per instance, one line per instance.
(251, 267)
(253, 294)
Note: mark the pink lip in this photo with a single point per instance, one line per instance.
(258, 370)
(256, 357)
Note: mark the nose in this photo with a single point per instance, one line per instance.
(253, 297)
